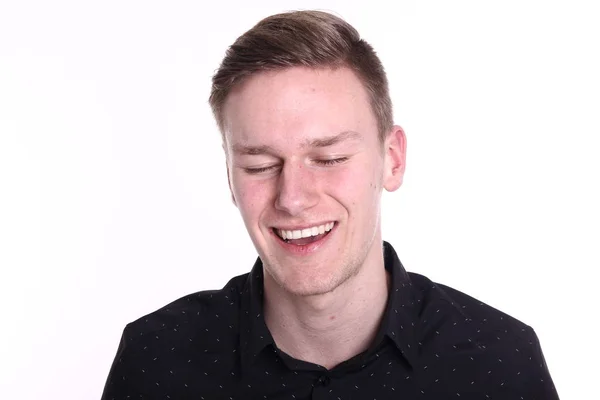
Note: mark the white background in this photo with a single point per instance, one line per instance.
(113, 194)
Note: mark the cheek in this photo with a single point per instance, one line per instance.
(357, 183)
(251, 196)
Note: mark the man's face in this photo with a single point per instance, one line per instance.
(304, 159)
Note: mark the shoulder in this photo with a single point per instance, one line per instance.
(494, 348)
(202, 310)
(182, 334)
(459, 306)
(454, 321)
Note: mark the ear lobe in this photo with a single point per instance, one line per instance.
(395, 159)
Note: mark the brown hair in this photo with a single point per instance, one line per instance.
(313, 39)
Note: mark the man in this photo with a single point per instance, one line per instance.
(328, 311)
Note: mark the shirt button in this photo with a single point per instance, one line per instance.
(323, 380)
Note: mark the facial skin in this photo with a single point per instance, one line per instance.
(285, 172)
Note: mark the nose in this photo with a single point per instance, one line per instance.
(297, 189)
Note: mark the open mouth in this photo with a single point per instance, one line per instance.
(305, 236)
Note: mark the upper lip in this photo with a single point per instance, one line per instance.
(303, 226)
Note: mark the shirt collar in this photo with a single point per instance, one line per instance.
(398, 323)
(254, 334)
(402, 309)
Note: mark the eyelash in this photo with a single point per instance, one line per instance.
(326, 163)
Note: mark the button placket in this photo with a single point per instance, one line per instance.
(323, 380)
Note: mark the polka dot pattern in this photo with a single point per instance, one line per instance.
(434, 343)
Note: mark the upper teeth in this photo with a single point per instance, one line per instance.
(303, 233)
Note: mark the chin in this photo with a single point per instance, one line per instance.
(310, 289)
(307, 285)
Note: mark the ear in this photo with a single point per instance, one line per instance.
(395, 159)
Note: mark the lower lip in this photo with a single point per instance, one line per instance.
(304, 249)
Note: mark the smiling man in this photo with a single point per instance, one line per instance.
(328, 310)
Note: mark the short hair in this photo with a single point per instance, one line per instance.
(312, 39)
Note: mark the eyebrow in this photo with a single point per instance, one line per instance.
(335, 139)
(314, 143)
(251, 150)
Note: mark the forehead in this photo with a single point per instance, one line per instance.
(297, 104)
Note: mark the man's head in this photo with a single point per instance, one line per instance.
(311, 39)
(305, 151)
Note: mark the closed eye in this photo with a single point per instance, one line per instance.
(332, 161)
(326, 163)
(254, 171)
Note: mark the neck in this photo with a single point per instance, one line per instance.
(330, 328)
